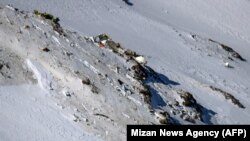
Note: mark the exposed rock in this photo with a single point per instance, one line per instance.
(228, 96)
(163, 117)
(45, 49)
(86, 81)
(54, 21)
(189, 101)
(229, 50)
(95, 89)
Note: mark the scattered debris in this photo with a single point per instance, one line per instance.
(102, 115)
(54, 21)
(103, 40)
(94, 89)
(115, 47)
(128, 2)
(46, 16)
(226, 64)
(85, 119)
(100, 39)
(105, 116)
(120, 82)
(45, 49)
(75, 118)
(138, 71)
(228, 96)
(194, 36)
(76, 110)
(27, 27)
(189, 101)
(188, 118)
(140, 60)
(163, 117)
(146, 93)
(117, 69)
(237, 55)
(67, 93)
(73, 44)
(69, 54)
(125, 115)
(5, 70)
(227, 48)
(86, 81)
(230, 58)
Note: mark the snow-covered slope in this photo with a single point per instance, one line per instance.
(196, 51)
(54, 79)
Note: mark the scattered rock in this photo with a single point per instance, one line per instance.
(54, 21)
(120, 82)
(190, 102)
(67, 94)
(173, 112)
(139, 72)
(94, 89)
(114, 46)
(187, 118)
(188, 99)
(228, 65)
(163, 117)
(125, 115)
(228, 96)
(229, 50)
(85, 119)
(69, 54)
(75, 118)
(27, 27)
(76, 110)
(146, 93)
(237, 55)
(86, 81)
(72, 44)
(45, 49)
(105, 116)
(102, 115)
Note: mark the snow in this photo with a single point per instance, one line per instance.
(28, 114)
(44, 79)
(175, 39)
(56, 40)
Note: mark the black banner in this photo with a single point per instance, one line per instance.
(189, 132)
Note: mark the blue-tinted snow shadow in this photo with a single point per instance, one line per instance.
(165, 80)
(155, 77)
(207, 115)
(157, 101)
